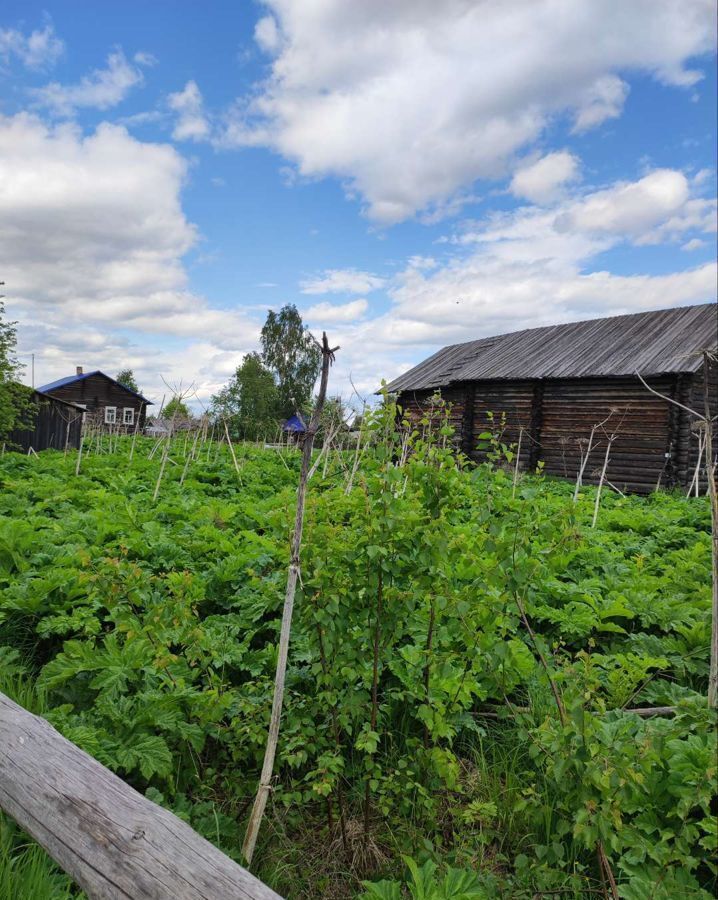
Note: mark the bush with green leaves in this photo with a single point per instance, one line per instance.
(439, 609)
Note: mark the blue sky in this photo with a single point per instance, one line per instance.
(408, 173)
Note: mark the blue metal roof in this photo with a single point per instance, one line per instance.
(71, 379)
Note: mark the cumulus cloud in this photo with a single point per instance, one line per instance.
(533, 266)
(541, 181)
(353, 87)
(92, 236)
(603, 100)
(629, 208)
(101, 89)
(342, 281)
(322, 313)
(40, 49)
(191, 123)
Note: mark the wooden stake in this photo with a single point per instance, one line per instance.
(516, 467)
(134, 437)
(600, 482)
(713, 493)
(231, 448)
(260, 802)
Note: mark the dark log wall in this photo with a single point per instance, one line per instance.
(97, 392)
(654, 443)
(695, 399)
(504, 408)
(639, 419)
(53, 426)
(420, 404)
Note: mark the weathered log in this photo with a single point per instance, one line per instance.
(115, 843)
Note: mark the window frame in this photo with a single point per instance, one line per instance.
(131, 411)
(113, 420)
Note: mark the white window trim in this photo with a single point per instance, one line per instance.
(131, 419)
(113, 419)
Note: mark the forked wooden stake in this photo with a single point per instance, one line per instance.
(706, 421)
(260, 801)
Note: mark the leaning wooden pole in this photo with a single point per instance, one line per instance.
(713, 493)
(260, 801)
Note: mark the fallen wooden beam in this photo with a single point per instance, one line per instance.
(114, 842)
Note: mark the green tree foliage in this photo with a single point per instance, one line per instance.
(126, 377)
(176, 409)
(15, 407)
(249, 403)
(293, 355)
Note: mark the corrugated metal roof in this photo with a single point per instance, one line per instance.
(652, 343)
(71, 379)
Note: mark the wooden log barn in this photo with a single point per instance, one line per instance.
(49, 423)
(550, 386)
(107, 402)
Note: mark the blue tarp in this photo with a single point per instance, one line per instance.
(294, 423)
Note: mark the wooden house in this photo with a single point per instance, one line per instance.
(106, 401)
(50, 423)
(550, 386)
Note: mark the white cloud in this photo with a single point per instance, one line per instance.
(353, 88)
(630, 208)
(519, 270)
(143, 58)
(342, 281)
(38, 50)
(101, 89)
(603, 100)
(92, 236)
(322, 313)
(694, 244)
(191, 121)
(266, 34)
(541, 181)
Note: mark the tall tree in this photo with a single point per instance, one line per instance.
(176, 409)
(293, 355)
(249, 402)
(15, 405)
(126, 377)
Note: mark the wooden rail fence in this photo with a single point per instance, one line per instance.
(114, 842)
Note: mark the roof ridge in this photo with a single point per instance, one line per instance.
(651, 341)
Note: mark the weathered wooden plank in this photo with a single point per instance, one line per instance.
(115, 843)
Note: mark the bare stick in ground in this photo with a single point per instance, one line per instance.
(134, 436)
(601, 480)
(79, 455)
(706, 423)
(231, 448)
(260, 802)
(516, 467)
(189, 457)
(713, 493)
(584, 458)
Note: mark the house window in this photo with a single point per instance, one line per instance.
(128, 416)
(110, 415)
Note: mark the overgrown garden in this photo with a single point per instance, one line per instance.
(486, 696)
